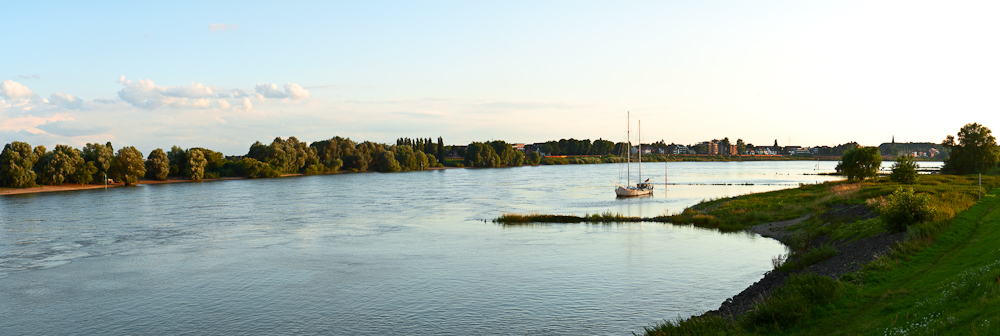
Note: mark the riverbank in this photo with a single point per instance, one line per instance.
(842, 260)
(77, 186)
(874, 277)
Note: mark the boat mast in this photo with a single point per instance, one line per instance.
(628, 151)
(640, 151)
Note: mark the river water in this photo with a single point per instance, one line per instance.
(358, 254)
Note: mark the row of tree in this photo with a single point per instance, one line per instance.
(974, 151)
(581, 147)
(22, 165)
(493, 154)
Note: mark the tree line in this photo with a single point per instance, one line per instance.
(974, 151)
(22, 165)
(581, 147)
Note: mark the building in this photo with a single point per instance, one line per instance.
(675, 149)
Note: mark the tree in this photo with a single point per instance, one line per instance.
(535, 158)
(904, 170)
(431, 161)
(860, 163)
(178, 160)
(423, 162)
(84, 173)
(255, 169)
(386, 162)
(157, 165)
(479, 154)
(16, 161)
(60, 165)
(39, 165)
(128, 165)
(196, 164)
(740, 146)
(100, 156)
(975, 151)
(440, 149)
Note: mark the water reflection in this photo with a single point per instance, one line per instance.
(375, 254)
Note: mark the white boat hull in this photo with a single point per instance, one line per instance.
(633, 191)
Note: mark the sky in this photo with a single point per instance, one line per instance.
(222, 75)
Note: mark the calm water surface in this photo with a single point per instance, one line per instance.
(356, 254)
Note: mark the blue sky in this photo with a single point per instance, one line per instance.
(197, 74)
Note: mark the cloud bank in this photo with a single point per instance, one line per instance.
(12, 90)
(145, 94)
(292, 90)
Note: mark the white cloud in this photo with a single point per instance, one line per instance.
(195, 90)
(221, 26)
(104, 101)
(247, 106)
(223, 104)
(65, 100)
(147, 95)
(292, 90)
(14, 91)
(29, 123)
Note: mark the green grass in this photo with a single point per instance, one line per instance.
(858, 229)
(944, 279)
(535, 217)
(949, 195)
(803, 259)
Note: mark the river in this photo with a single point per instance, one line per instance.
(370, 253)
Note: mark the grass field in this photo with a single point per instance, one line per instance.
(943, 279)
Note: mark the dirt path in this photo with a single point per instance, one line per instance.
(777, 230)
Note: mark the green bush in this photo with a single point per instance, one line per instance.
(707, 324)
(860, 163)
(315, 169)
(792, 301)
(904, 170)
(904, 208)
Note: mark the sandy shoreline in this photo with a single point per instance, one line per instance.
(77, 186)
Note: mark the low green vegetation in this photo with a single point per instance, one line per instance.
(535, 217)
(941, 280)
(858, 229)
(905, 170)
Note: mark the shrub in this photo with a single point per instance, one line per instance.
(707, 324)
(792, 301)
(904, 170)
(904, 208)
(805, 259)
(860, 163)
(315, 169)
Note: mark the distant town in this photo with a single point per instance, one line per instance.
(716, 147)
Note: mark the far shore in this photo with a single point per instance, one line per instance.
(77, 186)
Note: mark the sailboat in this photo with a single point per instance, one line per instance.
(644, 188)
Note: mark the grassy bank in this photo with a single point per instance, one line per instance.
(943, 278)
(535, 217)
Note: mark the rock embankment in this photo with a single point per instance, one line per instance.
(851, 255)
